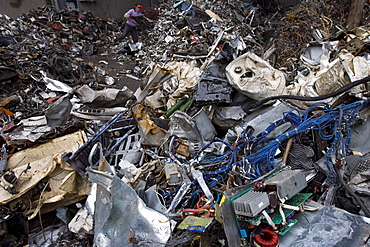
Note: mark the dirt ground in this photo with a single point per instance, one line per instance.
(119, 70)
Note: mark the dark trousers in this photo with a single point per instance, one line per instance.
(126, 30)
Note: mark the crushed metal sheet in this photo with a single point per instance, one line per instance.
(104, 98)
(339, 227)
(82, 223)
(129, 221)
(43, 163)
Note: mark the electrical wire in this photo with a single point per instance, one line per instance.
(317, 98)
(269, 220)
(259, 158)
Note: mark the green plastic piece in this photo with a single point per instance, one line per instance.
(186, 105)
(176, 106)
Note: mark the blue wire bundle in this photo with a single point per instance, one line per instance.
(253, 156)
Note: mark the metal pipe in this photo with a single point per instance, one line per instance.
(98, 134)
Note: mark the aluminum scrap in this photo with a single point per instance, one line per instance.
(163, 152)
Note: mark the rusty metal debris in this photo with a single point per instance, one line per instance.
(228, 124)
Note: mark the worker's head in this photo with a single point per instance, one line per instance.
(138, 6)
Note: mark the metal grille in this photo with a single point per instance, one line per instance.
(251, 203)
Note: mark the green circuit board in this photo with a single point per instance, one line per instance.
(296, 201)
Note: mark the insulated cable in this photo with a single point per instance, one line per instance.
(317, 98)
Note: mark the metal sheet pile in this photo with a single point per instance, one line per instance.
(241, 127)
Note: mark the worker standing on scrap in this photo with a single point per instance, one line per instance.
(130, 25)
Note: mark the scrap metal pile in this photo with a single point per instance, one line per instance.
(242, 130)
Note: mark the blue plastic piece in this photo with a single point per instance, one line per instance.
(196, 228)
(243, 233)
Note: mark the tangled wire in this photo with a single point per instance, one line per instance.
(300, 23)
